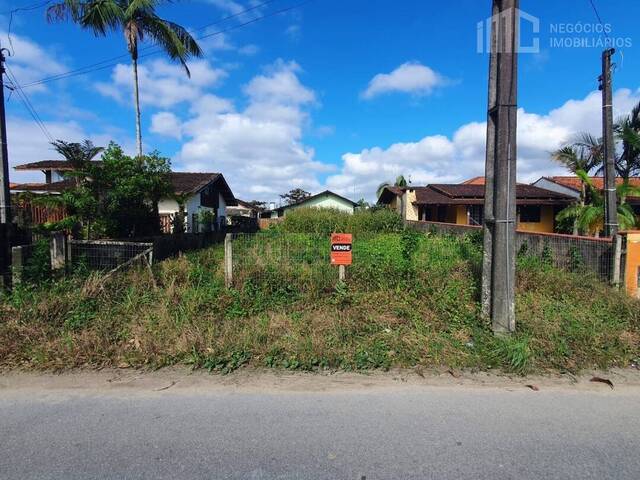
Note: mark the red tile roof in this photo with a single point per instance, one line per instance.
(473, 194)
(474, 181)
(574, 182)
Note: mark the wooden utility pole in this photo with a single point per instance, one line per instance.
(5, 198)
(498, 268)
(610, 200)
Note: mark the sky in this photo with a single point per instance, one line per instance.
(326, 94)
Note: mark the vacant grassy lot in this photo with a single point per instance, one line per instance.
(409, 300)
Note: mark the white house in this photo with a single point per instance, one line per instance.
(198, 193)
(326, 199)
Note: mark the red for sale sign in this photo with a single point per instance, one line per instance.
(341, 248)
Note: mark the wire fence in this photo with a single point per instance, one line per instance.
(277, 261)
(107, 255)
(569, 253)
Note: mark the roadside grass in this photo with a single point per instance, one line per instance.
(410, 300)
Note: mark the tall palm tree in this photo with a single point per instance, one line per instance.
(400, 182)
(137, 19)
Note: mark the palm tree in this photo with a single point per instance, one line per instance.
(579, 158)
(589, 217)
(137, 19)
(77, 154)
(628, 131)
(400, 182)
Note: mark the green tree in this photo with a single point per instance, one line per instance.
(77, 154)
(578, 158)
(628, 132)
(589, 217)
(137, 19)
(400, 182)
(117, 197)
(295, 196)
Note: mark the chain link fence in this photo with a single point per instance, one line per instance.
(107, 255)
(584, 255)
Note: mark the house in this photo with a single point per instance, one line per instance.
(197, 192)
(463, 204)
(570, 185)
(244, 209)
(326, 199)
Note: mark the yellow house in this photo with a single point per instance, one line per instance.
(463, 204)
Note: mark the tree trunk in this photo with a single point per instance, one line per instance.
(136, 99)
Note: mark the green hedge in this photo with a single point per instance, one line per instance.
(323, 221)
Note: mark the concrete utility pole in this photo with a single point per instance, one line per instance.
(5, 198)
(498, 268)
(610, 200)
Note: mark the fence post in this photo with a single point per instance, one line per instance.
(67, 261)
(16, 265)
(617, 259)
(228, 260)
(57, 250)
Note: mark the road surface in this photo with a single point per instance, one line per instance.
(363, 429)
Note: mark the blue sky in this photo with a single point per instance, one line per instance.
(334, 94)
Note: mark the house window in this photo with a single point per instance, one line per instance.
(530, 214)
(476, 214)
(442, 213)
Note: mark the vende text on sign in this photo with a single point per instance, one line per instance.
(341, 247)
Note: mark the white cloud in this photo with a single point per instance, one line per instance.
(293, 32)
(438, 158)
(259, 149)
(410, 77)
(28, 144)
(31, 62)
(162, 84)
(219, 41)
(166, 124)
(239, 9)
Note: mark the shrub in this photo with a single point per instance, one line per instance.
(324, 221)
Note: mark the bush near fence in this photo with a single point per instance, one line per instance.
(324, 221)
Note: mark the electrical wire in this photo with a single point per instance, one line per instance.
(595, 10)
(27, 8)
(151, 50)
(27, 103)
(110, 61)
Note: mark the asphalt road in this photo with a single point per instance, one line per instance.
(410, 432)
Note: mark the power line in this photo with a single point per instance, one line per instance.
(595, 10)
(27, 104)
(111, 62)
(27, 8)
